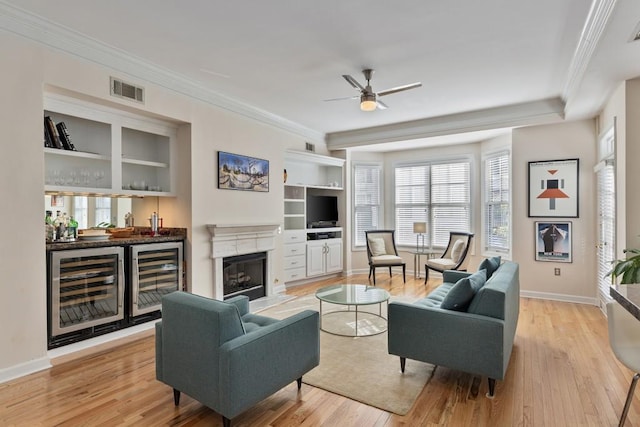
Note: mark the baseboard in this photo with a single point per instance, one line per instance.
(559, 297)
(23, 369)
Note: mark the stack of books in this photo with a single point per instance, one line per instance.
(56, 135)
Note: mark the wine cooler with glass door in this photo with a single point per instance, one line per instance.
(86, 293)
(155, 270)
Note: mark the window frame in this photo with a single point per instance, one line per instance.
(488, 250)
(355, 244)
(429, 205)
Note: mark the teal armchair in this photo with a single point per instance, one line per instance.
(227, 358)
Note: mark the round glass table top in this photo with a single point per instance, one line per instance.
(352, 294)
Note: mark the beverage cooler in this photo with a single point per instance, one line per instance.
(155, 270)
(95, 291)
(86, 293)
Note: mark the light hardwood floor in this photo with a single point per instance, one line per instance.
(562, 373)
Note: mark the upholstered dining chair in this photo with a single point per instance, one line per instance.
(455, 256)
(624, 338)
(382, 252)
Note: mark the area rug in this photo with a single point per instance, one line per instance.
(359, 368)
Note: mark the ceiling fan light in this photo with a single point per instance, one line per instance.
(368, 102)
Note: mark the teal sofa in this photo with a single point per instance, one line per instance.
(475, 337)
(227, 358)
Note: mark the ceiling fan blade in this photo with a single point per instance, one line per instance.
(342, 98)
(381, 105)
(399, 89)
(353, 82)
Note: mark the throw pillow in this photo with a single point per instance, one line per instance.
(377, 246)
(490, 264)
(459, 296)
(478, 279)
(456, 252)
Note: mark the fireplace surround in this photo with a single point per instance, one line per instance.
(231, 240)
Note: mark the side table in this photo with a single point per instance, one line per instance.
(416, 260)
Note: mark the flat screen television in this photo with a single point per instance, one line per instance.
(322, 211)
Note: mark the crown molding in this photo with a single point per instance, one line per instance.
(529, 113)
(60, 38)
(592, 31)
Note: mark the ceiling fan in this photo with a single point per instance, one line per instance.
(368, 98)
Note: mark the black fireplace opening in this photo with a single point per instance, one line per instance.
(244, 275)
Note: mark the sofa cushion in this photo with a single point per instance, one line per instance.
(459, 296)
(478, 279)
(490, 264)
(377, 246)
(252, 322)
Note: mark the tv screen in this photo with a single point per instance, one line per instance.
(322, 211)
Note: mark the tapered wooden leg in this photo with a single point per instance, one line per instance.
(226, 422)
(176, 397)
(426, 274)
(404, 273)
(492, 387)
(390, 272)
(403, 362)
(374, 276)
(370, 270)
(299, 380)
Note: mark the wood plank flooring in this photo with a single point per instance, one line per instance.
(562, 373)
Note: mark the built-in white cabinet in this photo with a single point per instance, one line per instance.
(324, 256)
(295, 249)
(308, 251)
(117, 152)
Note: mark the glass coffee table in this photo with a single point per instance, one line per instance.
(354, 295)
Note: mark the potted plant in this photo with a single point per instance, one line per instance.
(628, 269)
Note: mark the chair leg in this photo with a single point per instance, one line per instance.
(426, 274)
(299, 380)
(403, 362)
(389, 271)
(492, 387)
(404, 273)
(176, 397)
(226, 422)
(374, 275)
(370, 270)
(627, 403)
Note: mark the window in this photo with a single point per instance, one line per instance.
(366, 200)
(81, 211)
(497, 207)
(435, 193)
(103, 210)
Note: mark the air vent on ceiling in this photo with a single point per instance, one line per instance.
(310, 147)
(126, 90)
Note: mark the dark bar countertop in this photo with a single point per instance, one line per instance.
(628, 296)
(141, 235)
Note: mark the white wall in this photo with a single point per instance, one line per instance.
(203, 130)
(577, 281)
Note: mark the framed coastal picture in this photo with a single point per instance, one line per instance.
(553, 188)
(237, 172)
(553, 241)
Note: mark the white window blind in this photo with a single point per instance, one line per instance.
(103, 210)
(497, 229)
(435, 193)
(366, 203)
(81, 211)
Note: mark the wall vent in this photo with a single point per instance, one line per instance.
(310, 147)
(126, 90)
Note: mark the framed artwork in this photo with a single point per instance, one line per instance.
(57, 201)
(553, 188)
(553, 241)
(237, 172)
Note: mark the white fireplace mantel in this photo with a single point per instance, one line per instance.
(239, 239)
